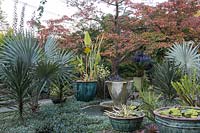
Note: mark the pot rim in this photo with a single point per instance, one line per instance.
(127, 118)
(156, 113)
(115, 81)
(82, 81)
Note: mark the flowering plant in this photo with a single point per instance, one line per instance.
(142, 62)
(89, 60)
(102, 71)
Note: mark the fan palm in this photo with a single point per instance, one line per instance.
(21, 55)
(185, 55)
(65, 71)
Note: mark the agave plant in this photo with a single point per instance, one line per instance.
(185, 55)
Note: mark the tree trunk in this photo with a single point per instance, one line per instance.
(61, 93)
(115, 66)
(21, 108)
(115, 60)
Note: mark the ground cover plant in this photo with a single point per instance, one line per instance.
(56, 118)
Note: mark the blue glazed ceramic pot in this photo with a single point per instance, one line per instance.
(85, 91)
(126, 124)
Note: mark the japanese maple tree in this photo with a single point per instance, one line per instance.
(170, 21)
(117, 27)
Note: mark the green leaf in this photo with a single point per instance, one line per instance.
(87, 39)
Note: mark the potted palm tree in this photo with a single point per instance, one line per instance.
(85, 89)
(125, 118)
(61, 81)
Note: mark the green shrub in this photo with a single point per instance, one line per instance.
(188, 89)
(126, 70)
(163, 75)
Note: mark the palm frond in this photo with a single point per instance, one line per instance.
(22, 45)
(186, 55)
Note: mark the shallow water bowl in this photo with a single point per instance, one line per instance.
(94, 110)
(108, 105)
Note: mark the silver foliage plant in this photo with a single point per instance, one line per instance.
(185, 55)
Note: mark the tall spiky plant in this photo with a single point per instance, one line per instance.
(19, 54)
(18, 79)
(23, 60)
(162, 77)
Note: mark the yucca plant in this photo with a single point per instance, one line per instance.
(19, 50)
(185, 55)
(18, 80)
(163, 75)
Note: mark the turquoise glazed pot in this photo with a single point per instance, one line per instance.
(126, 124)
(176, 125)
(85, 91)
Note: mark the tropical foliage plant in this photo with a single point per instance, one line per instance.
(185, 55)
(163, 75)
(188, 90)
(150, 102)
(87, 65)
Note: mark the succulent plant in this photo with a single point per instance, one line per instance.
(181, 112)
(125, 111)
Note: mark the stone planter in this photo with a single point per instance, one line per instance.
(85, 91)
(168, 124)
(138, 81)
(119, 91)
(126, 124)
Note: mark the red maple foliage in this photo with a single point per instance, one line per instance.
(130, 27)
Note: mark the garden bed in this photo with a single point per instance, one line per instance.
(55, 118)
